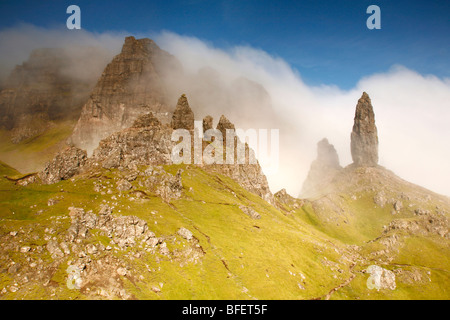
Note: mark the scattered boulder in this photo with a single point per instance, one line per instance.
(124, 185)
(380, 199)
(53, 248)
(185, 233)
(398, 205)
(123, 230)
(121, 271)
(380, 278)
(170, 187)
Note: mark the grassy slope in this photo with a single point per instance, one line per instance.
(244, 258)
(359, 220)
(270, 258)
(31, 155)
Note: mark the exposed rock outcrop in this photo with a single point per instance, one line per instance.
(250, 212)
(380, 278)
(286, 202)
(364, 136)
(146, 120)
(223, 125)
(183, 116)
(137, 145)
(129, 86)
(123, 230)
(322, 170)
(64, 166)
(148, 142)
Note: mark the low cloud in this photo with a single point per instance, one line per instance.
(88, 53)
(256, 90)
(411, 112)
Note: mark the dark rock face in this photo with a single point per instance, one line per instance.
(364, 137)
(130, 85)
(322, 169)
(183, 116)
(223, 125)
(64, 166)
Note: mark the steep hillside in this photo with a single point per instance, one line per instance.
(211, 240)
(47, 228)
(129, 222)
(30, 155)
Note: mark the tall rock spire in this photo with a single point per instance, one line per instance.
(364, 137)
(183, 116)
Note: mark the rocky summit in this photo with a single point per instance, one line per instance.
(364, 136)
(129, 86)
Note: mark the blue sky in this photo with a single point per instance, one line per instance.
(325, 41)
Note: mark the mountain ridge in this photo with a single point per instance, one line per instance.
(125, 222)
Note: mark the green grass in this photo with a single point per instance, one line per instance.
(267, 258)
(31, 154)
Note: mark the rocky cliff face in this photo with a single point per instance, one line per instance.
(364, 137)
(39, 91)
(130, 85)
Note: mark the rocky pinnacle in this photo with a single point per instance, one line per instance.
(364, 137)
(183, 116)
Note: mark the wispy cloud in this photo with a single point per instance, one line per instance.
(411, 109)
(255, 89)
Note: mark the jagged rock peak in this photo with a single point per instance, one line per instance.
(364, 137)
(224, 124)
(146, 120)
(130, 85)
(183, 116)
(136, 46)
